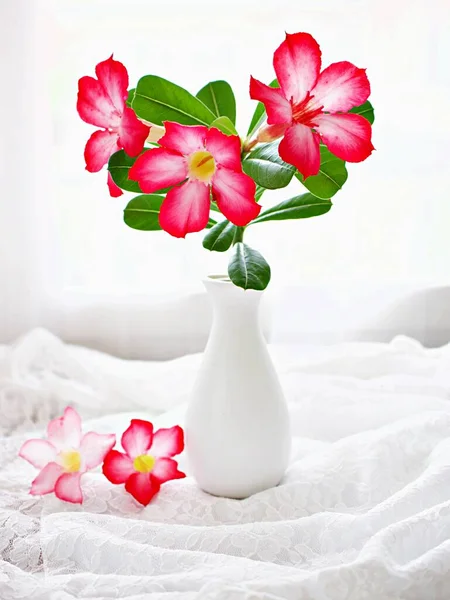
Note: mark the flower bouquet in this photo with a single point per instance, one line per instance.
(192, 171)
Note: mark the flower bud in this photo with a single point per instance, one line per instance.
(269, 133)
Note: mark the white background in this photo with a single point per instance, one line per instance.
(68, 261)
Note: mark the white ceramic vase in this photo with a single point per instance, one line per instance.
(237, 424)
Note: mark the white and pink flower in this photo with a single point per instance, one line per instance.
(310, 106)
(65, 456)
(102, 102)
(148, 459)
(194, 162)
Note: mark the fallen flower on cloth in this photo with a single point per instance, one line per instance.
(147, 462)
(64, 456)
(102, 102)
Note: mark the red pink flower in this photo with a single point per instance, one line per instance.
(194, 162)
(147, 462)
(101, 102)
(312, 106)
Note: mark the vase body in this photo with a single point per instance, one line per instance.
(237, 423)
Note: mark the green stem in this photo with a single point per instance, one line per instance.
(238, 235)
(248, 146)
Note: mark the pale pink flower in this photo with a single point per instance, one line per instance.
(64, 456)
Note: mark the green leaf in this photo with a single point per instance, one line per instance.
(130, 97)
(220, 237)
(331, 177)
(119, 166)
(366, 111)
(142, 212)
(248, 269)
(225, 125)
(260, 113)
(265, 166)
(219, 98)
(157, 100)
(299, 207)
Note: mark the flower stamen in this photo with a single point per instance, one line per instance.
(201, 166)
(144, 463)
(70, 460)
(305, 111)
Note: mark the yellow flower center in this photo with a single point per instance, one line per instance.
(70, 460)
(144, 463)
(201, 166)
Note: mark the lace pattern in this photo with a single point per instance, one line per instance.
(362, 513)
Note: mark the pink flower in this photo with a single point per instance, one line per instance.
(147, 461)
(65, 456)
(310, 106)
(101, 102)
(196, 161)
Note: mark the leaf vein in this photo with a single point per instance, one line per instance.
(182, 112)
(213, 97)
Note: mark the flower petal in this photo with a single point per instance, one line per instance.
(347, 136)
(99, 148)
(114, 189)
(278, 109)
(94, 447)
(113, 76)
(300, 147)
(38, 452)
(132, 133)
(235, 196)
(297, 65)
(226, 149)
(65, 432)
(46, 480)
(142, 487)
(340, 87)
(157, 169)
(167, 442)
(166, 469)
(117, 467)
(184, 139)
(138, 438)
(185, 209)
(68, 488)
(95, 106)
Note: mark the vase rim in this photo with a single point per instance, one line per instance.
(217, 278)
(224, 281)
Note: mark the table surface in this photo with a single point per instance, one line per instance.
(363, 511)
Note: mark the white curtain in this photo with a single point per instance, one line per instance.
(20, 256)
(69, 263)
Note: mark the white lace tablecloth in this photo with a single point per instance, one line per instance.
(363, 512)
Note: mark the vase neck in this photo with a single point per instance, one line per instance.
(232, 303)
